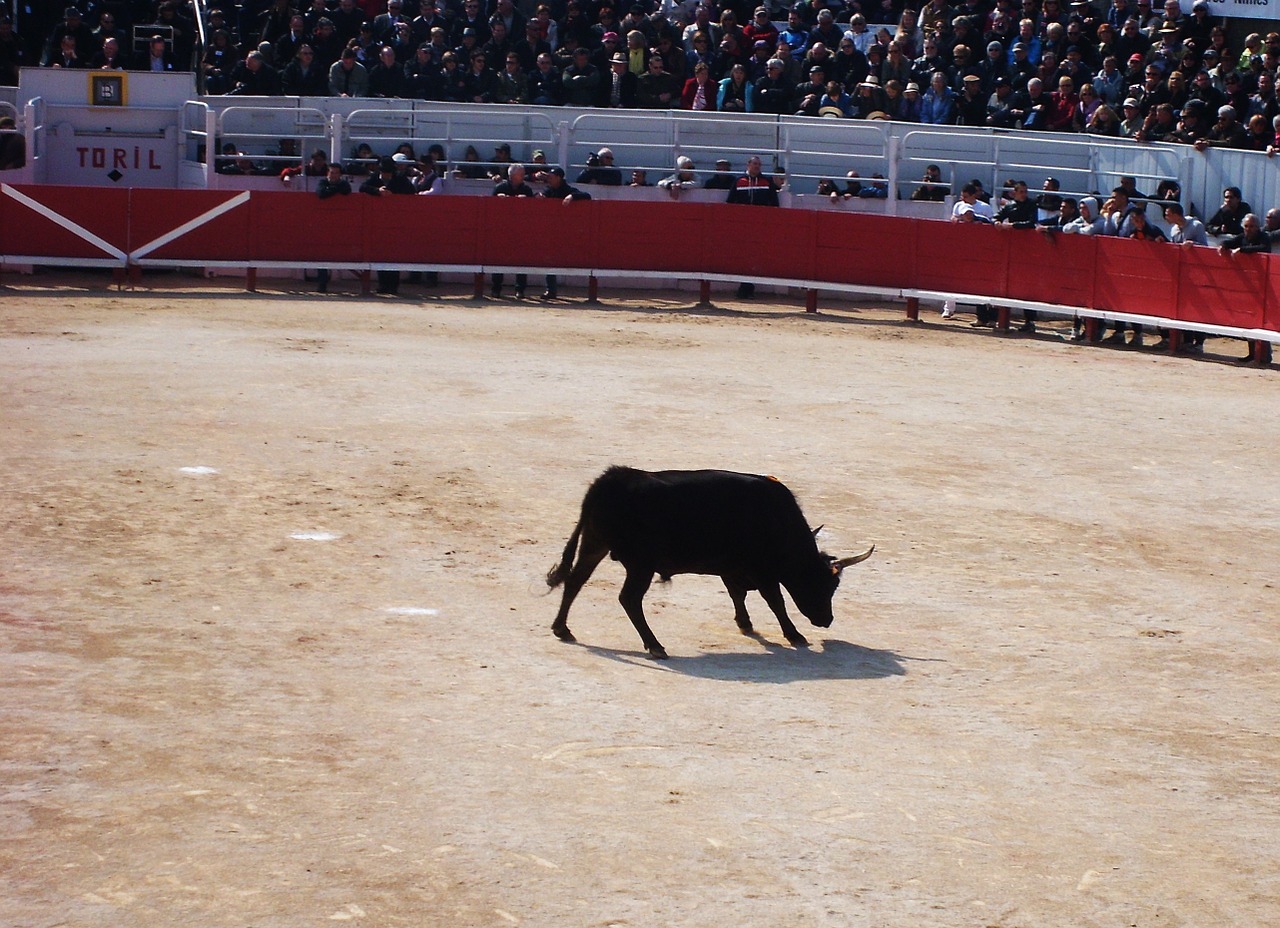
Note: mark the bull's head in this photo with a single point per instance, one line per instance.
(813, 595)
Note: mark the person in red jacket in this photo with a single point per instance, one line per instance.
(1063, 104)
(700, 91)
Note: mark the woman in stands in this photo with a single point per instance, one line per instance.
(699, 92)
(735, 95)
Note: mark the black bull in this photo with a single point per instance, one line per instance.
(746, 529)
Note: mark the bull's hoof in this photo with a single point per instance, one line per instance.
(746, 628)
(658, 653)
(799, 641)
(563, 633)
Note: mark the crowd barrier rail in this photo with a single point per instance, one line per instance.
(1159, 284)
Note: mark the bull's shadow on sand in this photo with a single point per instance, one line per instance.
(831, 659)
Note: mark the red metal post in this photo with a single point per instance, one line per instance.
(251, 280)
(1002, 318)
(811, 301)
(913, 309)
(477, 292)
(593, 290)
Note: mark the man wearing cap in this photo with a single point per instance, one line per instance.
(992, 67)
(1000, 105)
(389, 180)
(807, 95)
(723, 178)
(557, 189)
(72, 25)
(761, 29)
(971, 105)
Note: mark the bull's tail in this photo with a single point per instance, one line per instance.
(560, 573)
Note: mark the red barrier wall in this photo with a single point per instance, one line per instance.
(1191, 285)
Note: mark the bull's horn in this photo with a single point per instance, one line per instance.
(818, 529)
(856, 559)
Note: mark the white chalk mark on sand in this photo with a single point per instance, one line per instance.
(315, 536)
(199, 470)
(410, 610)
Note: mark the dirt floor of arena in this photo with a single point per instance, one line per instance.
(275, 644)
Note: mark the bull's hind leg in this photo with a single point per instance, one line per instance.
(632, 599)
(589, 557)
(772, 594)
(739, 596)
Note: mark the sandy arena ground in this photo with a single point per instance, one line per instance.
(1051, 698)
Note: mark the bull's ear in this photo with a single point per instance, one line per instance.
(818, 529)
(850, 561)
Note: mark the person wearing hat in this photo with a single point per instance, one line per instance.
(557, 188)
(1000, 104)
(868, 97)
(806, 95)
(761, 29)
(390, 180)
(991, 67)
(81, 34)
(723, 177)
(618, 90)
(971, 104)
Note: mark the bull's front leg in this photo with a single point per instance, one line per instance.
(772, 594)
(632, 599)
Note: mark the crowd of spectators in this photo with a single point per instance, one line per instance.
(1118, 68)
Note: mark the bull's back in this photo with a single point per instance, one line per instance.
(701, 521)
